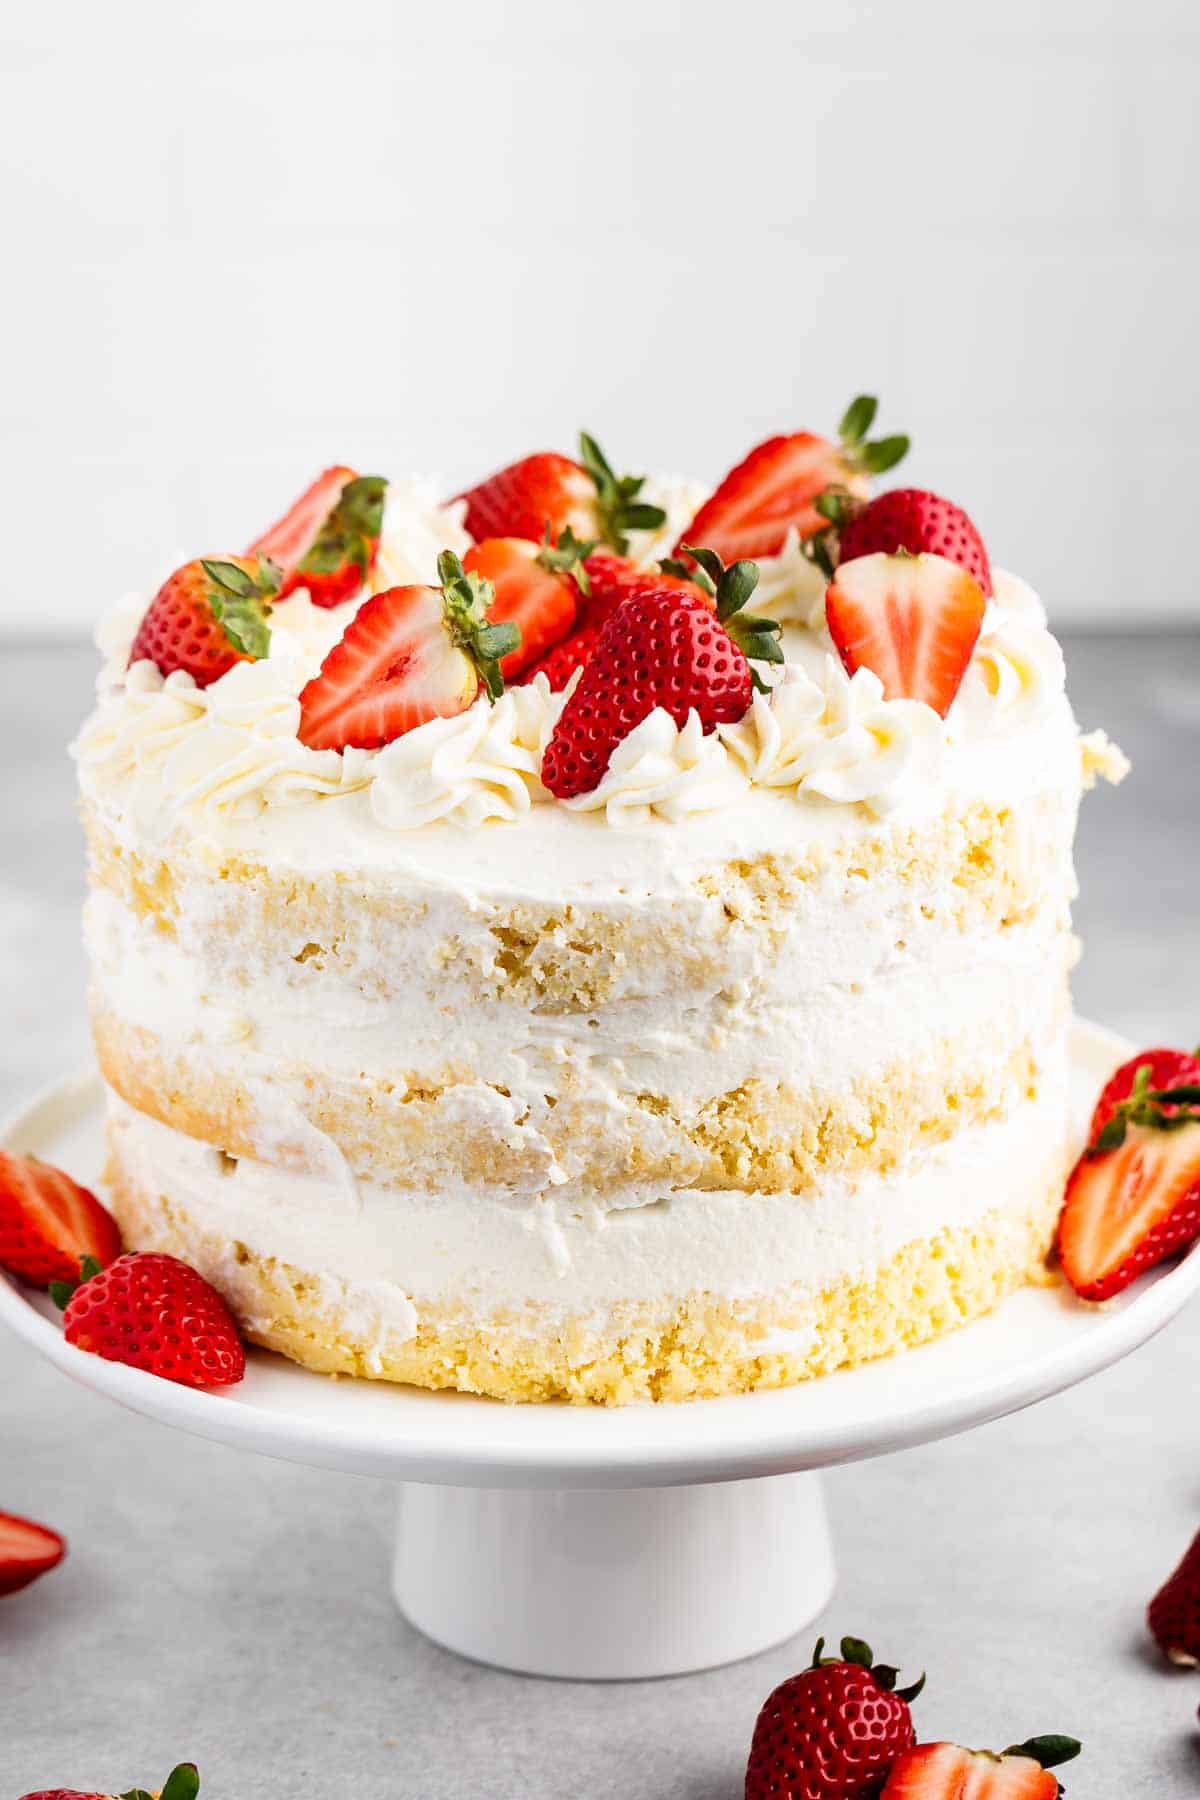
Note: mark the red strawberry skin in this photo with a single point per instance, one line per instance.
(1127, 1209)
(542, 491)
(770, 491)
(1174, 1613)
(328, 541)
(561, 663)
(63, 1794)
(948, 1772)
(1168, 1069)
(196, 623)
(155, 1313)
(915, 520)
(541, 602)
(830, 1733)
(662, 648)
(27, 1550)
(48, 1223)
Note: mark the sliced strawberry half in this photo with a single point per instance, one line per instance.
(775, 488)
(49, 1224)
(915, 520)
(948, 1772)
(535, 587)
(328, 541)
(27, 1550)
(547, 493)
(409, 655)
(913, 620)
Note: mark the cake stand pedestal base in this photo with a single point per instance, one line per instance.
(615, 1584)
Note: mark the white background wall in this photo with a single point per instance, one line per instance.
(245, 239)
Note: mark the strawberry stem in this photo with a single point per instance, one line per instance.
(1050, 1750)
(350, 531)
(566, 556)
(60, 1291)
(1146, 1106)
(465, 602)
(757, 638)
(871, 457)
(241, 603)
(618, 508)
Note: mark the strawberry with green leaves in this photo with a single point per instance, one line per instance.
(183, 1783)
(27, 1550)
(775, 488)
(155, 1313)
(548, 492)
(948, 1772)
(608, 579)
(1133, 1198)
(408, 655)
(909, 519)
(328, 541)
(209, 615)
(536, 587)
(49, 1223)
(662, 647)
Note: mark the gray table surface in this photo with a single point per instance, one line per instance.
(236, 1611)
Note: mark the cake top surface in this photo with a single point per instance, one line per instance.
(841, 717)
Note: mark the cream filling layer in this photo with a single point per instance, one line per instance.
(396, 1250)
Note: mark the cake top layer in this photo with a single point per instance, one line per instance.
(844, 716)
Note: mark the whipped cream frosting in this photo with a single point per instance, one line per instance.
(229, 751)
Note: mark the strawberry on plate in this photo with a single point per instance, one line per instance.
(948, 1772)
(1174, 1613)
(662, 646)
(408, 655)
(915, 520)
(208, 615)
(27, 1550)
(154, 1313)
(1133, 1198)
(536, 587)
(774, 489)
(913, 620)
(547, 493)
(1165, 1069)
(328, 541)
(833, 1731)
(183, 1783)
(48, 1223)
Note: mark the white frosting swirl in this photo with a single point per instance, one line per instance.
(483, 764)
(840, 739)
(661, 772)
(1014, 678)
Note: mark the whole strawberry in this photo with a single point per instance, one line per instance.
(833, 1731)
(207, 616)
(183, 1783)
(1174, 1613)
(915, 520)
(154, 1313)
(663, 647)
(548, 492)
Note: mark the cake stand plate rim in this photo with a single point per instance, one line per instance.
(1037, 1344)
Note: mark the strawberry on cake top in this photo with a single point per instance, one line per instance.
(590, 937)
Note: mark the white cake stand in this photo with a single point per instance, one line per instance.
(635, 1541)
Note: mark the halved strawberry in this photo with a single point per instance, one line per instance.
(207, 616)
(27, 1550)
(328, 541)
(913, 620)
(948, 1772)
(48, 1223)
(547, 493)
(408, 655)
(535, 588)
(1133, 1198)
(1166, 1069)
(915, 520)
(774, 489)
(183, 1783)
(662, 647)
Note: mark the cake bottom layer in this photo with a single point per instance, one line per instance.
(665, 1346)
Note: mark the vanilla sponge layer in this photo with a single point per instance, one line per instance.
(537, 1302)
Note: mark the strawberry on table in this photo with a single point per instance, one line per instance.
(774, 489)
(833, 1731)
(48, 1223)
(1174, 1613)
(547, 493)
(183, 1783)
(27, 1550)
(1133, 1198)
(536, 587)
(913, 620)
(154, 1313)
(328, 541)
(915, 520)
(948, 1772)
(208, 615)
(661, 647)
(408, 655)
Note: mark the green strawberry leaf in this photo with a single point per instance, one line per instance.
(465, 602)
(618, 509)
(1050, 1750)
(883, 454)
(566, 556)
(858, 418)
